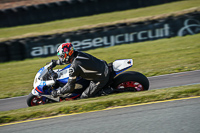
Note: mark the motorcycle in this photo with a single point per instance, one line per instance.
(44, 82)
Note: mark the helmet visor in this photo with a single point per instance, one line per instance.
(60, 56)
(63, 58)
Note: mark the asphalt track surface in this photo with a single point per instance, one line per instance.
(156, 82)
(172, 116)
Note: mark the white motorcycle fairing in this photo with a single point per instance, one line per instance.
(40, 82)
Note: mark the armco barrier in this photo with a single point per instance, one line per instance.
(123, 33)
(68, 9)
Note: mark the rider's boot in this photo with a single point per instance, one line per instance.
(56, 93)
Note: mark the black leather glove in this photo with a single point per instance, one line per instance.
(53, 64)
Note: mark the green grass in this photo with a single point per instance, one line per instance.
(99, 103)
(150, 58)
(68, 24)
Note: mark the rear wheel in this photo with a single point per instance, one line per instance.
(131, 81)
(33, 100)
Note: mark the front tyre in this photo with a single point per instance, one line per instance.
(131, 81)
(33, 100)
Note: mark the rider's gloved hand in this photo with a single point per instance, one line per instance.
(53, 64)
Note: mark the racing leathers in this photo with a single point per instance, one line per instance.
(88, 67)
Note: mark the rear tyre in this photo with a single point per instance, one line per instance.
(33, 100)
(131, 81)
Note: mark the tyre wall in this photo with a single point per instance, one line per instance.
(67, 9)
(107, 36)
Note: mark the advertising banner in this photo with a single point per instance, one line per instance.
(132, 33)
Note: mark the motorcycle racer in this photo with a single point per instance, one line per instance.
(85, 66)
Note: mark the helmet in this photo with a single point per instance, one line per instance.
(65, 52)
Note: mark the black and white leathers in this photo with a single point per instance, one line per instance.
(90, 68)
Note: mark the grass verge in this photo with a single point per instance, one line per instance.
(150, 58)
(60, 26)
(99, 103)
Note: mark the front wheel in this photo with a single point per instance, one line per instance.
(131, 81)
(33, 100)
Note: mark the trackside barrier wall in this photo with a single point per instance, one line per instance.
(123, 33)
(67, 9)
